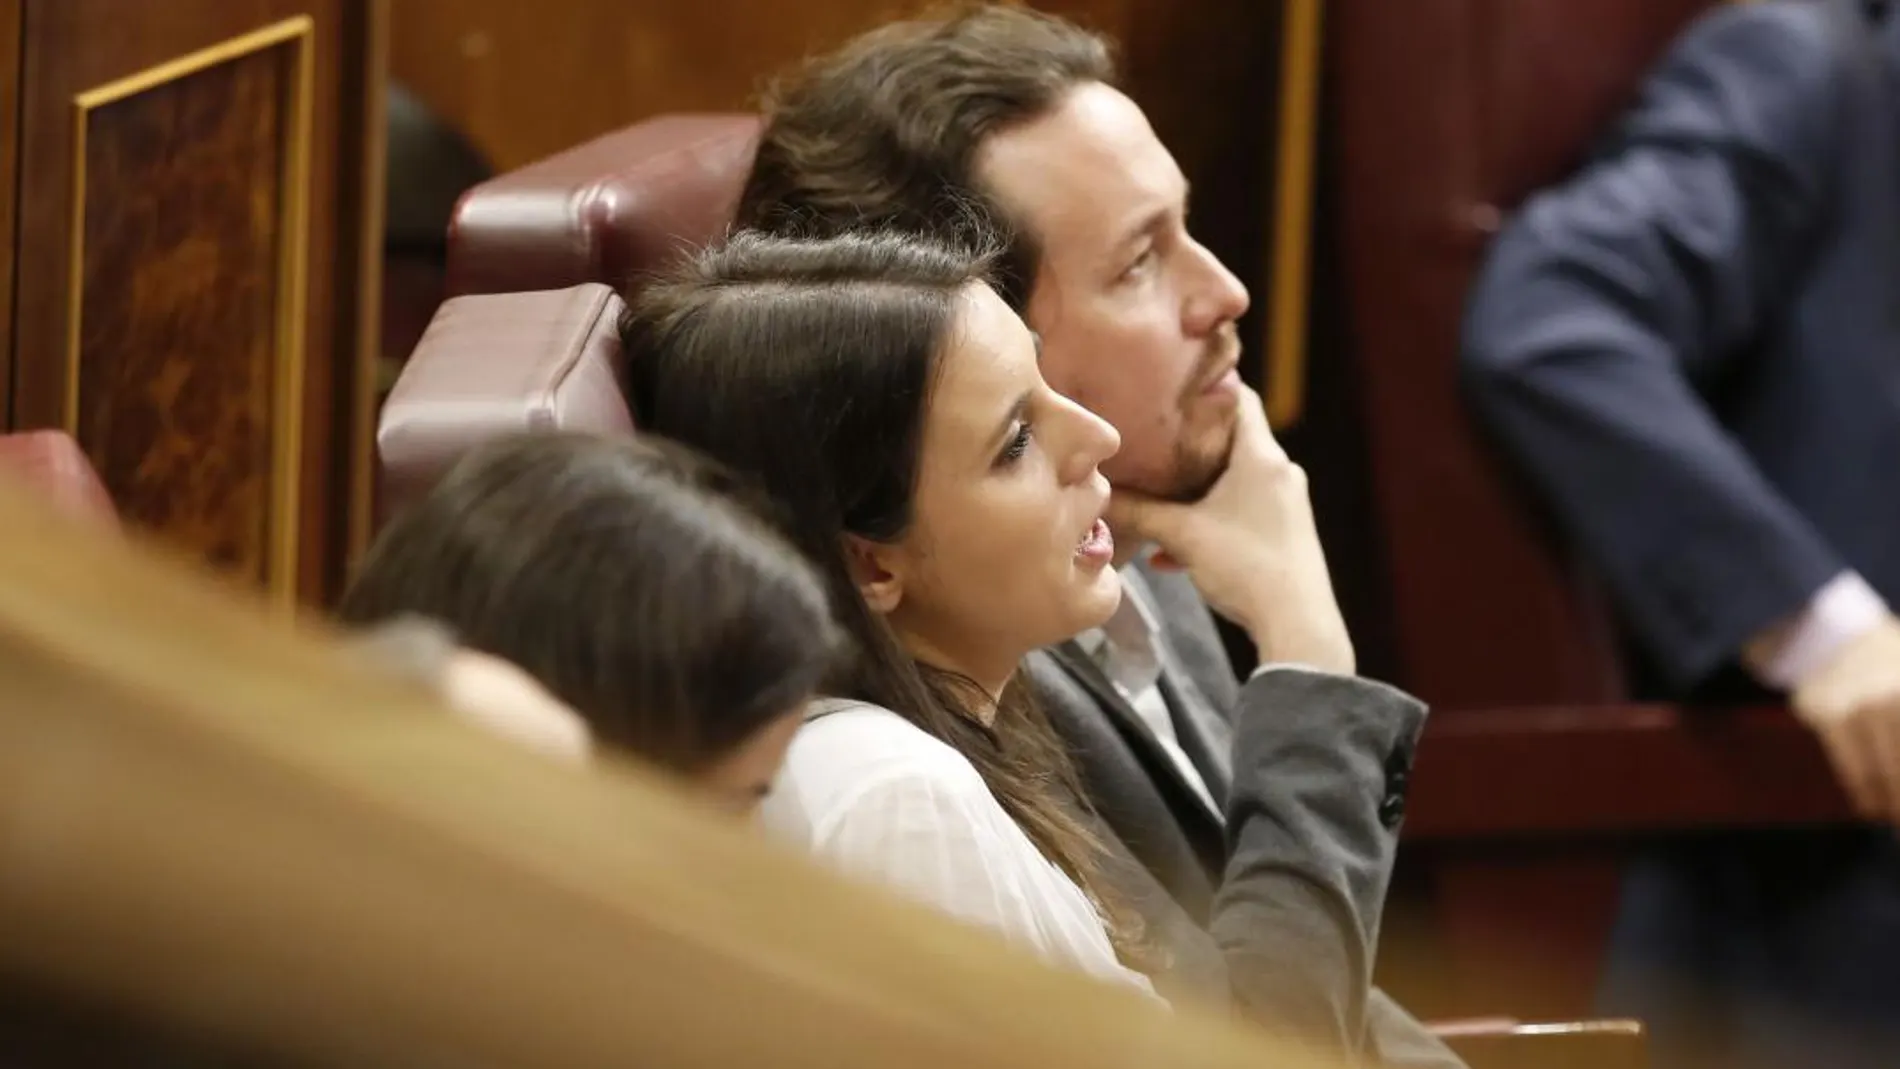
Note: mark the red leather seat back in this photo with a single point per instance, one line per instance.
(492, 365)
(610, 210)
(529, 340)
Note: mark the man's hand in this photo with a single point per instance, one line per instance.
(1251, 549)
(1853, 703)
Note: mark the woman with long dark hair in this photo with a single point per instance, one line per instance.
(889, 401)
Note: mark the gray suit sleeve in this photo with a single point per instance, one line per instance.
(1612, 302)
(1321, 765)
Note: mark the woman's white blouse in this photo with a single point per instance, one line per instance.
(873, 794)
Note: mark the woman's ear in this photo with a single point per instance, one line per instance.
(874, 570)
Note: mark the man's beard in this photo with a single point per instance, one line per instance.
(1200, 461)
(1197, 468)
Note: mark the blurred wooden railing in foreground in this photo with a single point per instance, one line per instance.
(209, 820)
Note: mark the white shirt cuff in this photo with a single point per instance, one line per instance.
(1274, 666)
(1844, 609)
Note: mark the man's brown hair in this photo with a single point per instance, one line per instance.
(884, 132)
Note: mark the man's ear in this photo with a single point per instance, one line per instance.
(875, 572)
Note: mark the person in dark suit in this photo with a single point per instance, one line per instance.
(1006, 115)
(1691, 347)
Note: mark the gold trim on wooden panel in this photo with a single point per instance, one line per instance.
(292, 313)
(12, 52)
(1290, 287)
(287, 385)
(368, 355)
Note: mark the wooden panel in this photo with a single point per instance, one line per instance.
(11, 17)
(1520, 820)
(1609, 1044)
(189, 184)
(1525, 930)
(1626, 769)
(527, 80)
(192, 309)
(362, 165)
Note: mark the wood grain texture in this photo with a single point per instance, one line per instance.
(363, 174)
(527, 80)
(178, 340)
(177, 191)
(1574, 771)
(11, 18)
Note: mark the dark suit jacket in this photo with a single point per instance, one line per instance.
(1692, 346)
(1275, 909)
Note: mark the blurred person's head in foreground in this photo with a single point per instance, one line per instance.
(616, 590)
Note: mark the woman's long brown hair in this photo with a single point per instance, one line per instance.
(809, 364)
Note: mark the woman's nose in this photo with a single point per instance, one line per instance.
(1093, 440)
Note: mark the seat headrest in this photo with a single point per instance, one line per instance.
(494, 365)
(611, 210)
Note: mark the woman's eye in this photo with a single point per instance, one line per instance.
(1018, 445)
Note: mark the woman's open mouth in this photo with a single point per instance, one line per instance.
(1098, 545)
